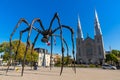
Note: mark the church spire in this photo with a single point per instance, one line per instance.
(97, 25)
(79, 30)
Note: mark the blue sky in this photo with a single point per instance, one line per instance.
(108, 13)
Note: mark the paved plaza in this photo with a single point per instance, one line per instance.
(68, 74)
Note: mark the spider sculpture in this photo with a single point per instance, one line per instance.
(46, 35)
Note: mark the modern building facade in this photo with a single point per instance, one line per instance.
(88, 50)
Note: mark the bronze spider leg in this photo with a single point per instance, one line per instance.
(72, 39)
(19, 22)
(16, 53)
(62, 48)
(33, 44)
(65, 44)
(51, 52)
(21, 32)
(51, 38)
(40, 32)
(29, 33)
(62, 55)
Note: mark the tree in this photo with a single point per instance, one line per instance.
(116, 53)
(67, 60)
(111, 58)
(4, 47)
(6, 56)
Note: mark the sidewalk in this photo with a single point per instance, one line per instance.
(68, 74)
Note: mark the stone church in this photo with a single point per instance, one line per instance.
(88, 50)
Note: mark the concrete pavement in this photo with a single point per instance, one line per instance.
(68, 74)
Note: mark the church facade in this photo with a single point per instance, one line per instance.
(88, 50)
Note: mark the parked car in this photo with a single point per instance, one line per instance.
(107, 66)
(118, 67)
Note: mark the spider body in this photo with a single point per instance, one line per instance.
(46, 35)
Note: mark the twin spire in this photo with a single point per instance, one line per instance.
(96, 25)
(79, 30)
